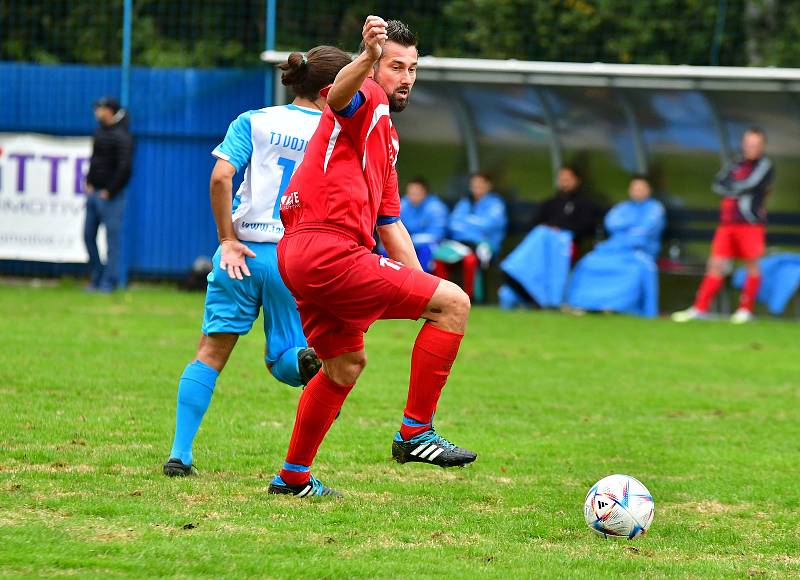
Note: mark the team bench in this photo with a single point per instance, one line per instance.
(687, 240)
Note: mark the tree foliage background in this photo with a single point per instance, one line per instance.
(209, 33)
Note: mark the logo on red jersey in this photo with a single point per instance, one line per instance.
(290, 200)
(388, 263)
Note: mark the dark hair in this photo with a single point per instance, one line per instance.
(483, 175)
(419, 181)
(641, 177)
(308, 74)
(573, 170)
(108, 103)
(755, 130)
(396, 31)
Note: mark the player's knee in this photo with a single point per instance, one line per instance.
(458, 304)
(346, 369)
(455, 306)
(716, 267)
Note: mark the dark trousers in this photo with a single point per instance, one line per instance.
(110, 213)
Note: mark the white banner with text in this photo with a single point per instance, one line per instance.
(43, 197)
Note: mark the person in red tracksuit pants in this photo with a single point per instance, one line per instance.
(743, 185)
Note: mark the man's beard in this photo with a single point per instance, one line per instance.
(395, 105)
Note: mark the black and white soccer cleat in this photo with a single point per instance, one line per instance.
(309, 364)
(430, 447)
(174, 467)
(314, 488)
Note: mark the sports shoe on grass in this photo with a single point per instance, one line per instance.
(430, 447)
(309, 364)
(689, 314)
(314, 487)
(174, 467)
(742, 316)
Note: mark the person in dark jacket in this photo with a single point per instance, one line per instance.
(743, 185)
(109, 173)
(569, 209)
(535, 273)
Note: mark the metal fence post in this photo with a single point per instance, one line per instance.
(125, 77)
(719, 31)
(269, 44)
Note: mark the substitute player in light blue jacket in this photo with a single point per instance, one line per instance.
(268, 144)
(425, 218)
(477, 227)
(620, 274)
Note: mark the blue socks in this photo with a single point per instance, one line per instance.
(194, 395)
(285, 369)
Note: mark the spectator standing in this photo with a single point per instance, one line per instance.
(425, 218)
(743, 185)
(109, 173)
(477, 227)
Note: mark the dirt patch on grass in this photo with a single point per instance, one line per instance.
(55, 467)
(22, 515)
(712, 507)
(104, 536)
(193, 499)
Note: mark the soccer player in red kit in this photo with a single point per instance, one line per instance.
(345, 187)
(744, 186)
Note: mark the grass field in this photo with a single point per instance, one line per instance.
(706, 415)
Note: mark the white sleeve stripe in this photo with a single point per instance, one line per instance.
(331, 144)
(220, 155)
(381, 110)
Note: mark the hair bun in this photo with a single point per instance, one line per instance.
(295, 69)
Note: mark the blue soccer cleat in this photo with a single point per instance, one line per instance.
(314, 488)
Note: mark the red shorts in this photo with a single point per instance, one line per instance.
(743, 241)
(341, 288)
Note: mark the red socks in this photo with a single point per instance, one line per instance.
(470, 265)
(709, 288)
(321, 400)
(441, 270)
(433, 355)
(749, 292)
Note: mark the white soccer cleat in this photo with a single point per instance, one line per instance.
(689, 314)
(742, 316)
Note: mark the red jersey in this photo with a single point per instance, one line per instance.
(744, 186)
(347, 178)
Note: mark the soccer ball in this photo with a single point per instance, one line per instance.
(619, 506)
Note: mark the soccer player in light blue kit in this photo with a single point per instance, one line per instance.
(270, 144)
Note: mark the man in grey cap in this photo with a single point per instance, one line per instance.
(109, 173)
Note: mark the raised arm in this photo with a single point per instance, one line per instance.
(351, 77)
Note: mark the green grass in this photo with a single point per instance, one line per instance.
(706, 415)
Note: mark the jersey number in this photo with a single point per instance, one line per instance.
(287, 165)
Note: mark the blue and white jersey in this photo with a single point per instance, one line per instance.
(270, 144)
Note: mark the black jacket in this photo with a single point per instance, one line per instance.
(746, 183)
(573, 212)
(112, 153)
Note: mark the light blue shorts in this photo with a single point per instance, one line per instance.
(232, 305)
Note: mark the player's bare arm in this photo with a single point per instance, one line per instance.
(398, 244)
(233, 252)
(351, 77)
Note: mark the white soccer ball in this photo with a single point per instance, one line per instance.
(619, 506)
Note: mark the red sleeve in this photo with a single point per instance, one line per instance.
(361, 119)
(390, 201)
